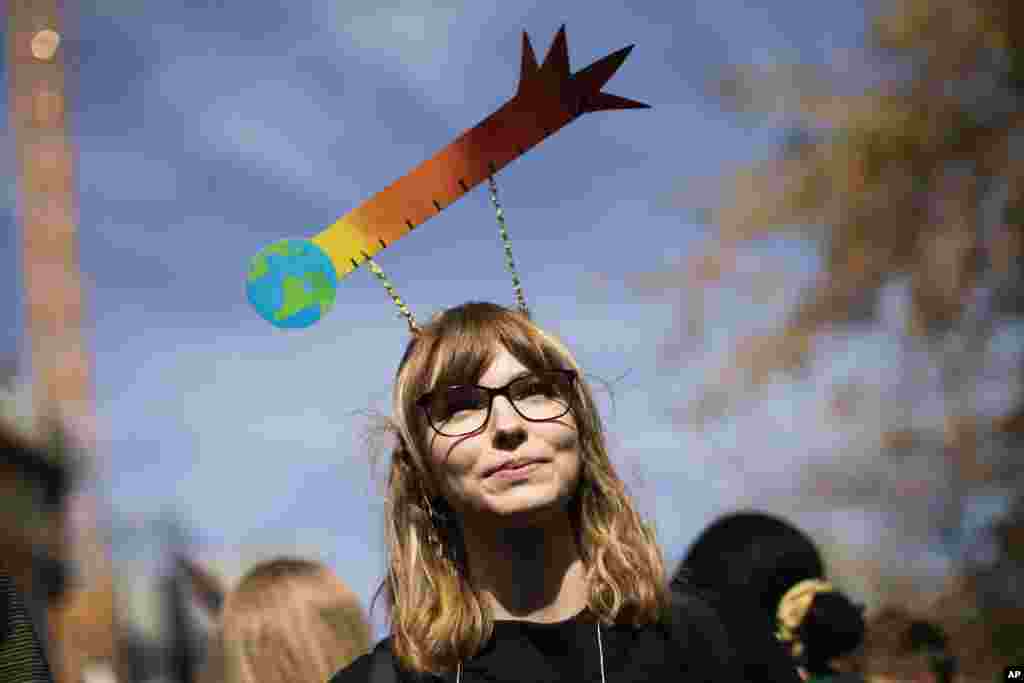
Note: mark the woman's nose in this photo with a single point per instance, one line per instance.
(507, 426)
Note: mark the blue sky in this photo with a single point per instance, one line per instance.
(205, 132)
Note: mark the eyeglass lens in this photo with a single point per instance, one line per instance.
(459, 410)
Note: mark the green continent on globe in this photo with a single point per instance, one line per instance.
(258, 267)
(323, 292)
(296, 297)
(278, 248)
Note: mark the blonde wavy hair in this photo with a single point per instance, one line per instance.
(437, 618)
(288, 621)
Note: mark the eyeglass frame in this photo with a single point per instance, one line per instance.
(423, 400)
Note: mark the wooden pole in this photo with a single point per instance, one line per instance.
(81, 626)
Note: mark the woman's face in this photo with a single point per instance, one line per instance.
(465, 464)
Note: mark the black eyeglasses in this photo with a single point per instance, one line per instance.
(465, 408)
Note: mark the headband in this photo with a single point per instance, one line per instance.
(292, 283)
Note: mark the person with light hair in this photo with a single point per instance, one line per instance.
(514, 551)
(288, 620)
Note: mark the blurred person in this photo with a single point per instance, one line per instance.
(767, 581)
(929, 642)
(820, 626)
(36, 478)
(514, 550)
(288, 620)
(900, 648)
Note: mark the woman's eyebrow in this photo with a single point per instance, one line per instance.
(513, 378)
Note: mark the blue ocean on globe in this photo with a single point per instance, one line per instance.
(291, 283)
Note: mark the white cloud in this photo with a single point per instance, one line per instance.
(436, 47)
(413, 35)
(279, 127)
(279, 122)
(256, 141)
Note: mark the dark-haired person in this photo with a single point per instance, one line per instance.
(763, 575)
(514, 551)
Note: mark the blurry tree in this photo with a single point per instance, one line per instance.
(906, 171)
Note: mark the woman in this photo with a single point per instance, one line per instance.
(288, 621)
(765, 577)
(514, 552)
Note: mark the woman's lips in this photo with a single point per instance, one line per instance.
(521, 471)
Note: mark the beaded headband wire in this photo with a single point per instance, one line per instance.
(402, 308)
(292, 283)
(509, 264)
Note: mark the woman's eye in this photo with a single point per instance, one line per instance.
(459, 400)
(536, 388)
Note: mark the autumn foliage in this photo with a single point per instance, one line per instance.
(904, 168)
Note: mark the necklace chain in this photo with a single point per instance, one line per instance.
(600, 654)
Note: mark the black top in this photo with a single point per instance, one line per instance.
(22, 654)
(760, 655)
(693, 649)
